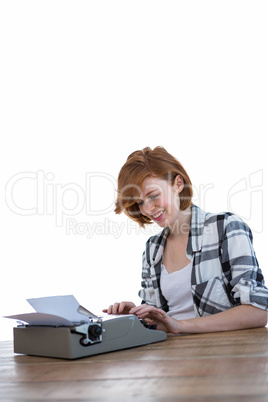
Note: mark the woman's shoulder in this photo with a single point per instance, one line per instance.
(199, 214)
(227, 220)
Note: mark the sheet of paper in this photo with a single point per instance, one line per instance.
(54, 310)
(62, 306)
(41, 319)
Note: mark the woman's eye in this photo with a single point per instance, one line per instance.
(152, 197)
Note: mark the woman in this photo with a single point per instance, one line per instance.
(200, 274)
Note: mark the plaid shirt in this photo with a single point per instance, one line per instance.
(225, 269)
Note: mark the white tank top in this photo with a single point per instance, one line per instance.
(176, 288)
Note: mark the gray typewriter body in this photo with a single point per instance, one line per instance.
(85, 339)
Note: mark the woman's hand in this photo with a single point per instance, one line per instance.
(150, 314)
(119, 308)
(158, 317)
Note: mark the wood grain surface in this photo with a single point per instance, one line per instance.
(226, 366)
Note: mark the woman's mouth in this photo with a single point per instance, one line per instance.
(158, 216)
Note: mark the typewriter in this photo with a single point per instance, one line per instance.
(51, 335)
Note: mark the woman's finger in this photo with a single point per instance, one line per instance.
(138, 308)
(115, 308)
(111, 309)
(143, 310)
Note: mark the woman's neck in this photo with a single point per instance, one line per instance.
(181, 227)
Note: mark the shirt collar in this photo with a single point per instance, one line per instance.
(196, 231)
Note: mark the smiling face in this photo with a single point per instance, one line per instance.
(159, 200)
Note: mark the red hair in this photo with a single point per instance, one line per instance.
(145, 163)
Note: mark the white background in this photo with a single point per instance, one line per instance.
(85, 83)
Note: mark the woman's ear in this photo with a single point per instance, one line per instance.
(179, 183)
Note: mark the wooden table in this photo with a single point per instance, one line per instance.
(227, 366)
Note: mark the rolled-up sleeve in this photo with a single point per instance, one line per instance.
(244, 276)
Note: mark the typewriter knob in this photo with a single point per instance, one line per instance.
(94, 331)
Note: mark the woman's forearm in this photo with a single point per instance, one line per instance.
(240, 317)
